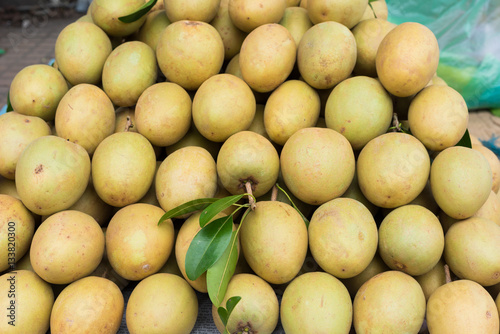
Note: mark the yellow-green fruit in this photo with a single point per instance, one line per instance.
(85, 116)
(17, 227)
(369, 34)
(163, 113)
(411, 239)
(316, 302)
(494, 164)
(407, 59)
(274, 241)
(343, 237)
(355, 192)
(256, 312)
(233, 66)
(376, 266)
(247, 15)
(8, 187)
(472, 250)
(187, 232)
(257, 125)
(36, 91)
(222, 106)
(497, 302)
(91, 204)
(377, 9)
(267, 57)
(136, 245)
(317, 165)
(326, 54)
(438, 117)
(432, 279)
(67, 246)
(461, 181)
(248, 157)
(490, 209)
(294, 105)
(232, 37)
(85, 18)
(89, 305)
(150, 197)
(437, 81)
(151, 30)
(128, 71)
(105, 14)
(194, 138)
(391, 303)
(81, 50)
(462, 307)
(185, 175)
(346, 12)
(360, 117)
(27, 302)
(16, 132)
(162, 303)
(393, 169)
(194, 10)
(52, 174)
(296, 20)
(190, 52)
(123, 168)
(426, 199)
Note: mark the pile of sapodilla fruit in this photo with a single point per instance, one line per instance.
(199, 97)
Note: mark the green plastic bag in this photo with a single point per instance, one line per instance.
(468, 34)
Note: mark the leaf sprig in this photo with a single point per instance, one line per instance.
(214, 249)
(139, 13)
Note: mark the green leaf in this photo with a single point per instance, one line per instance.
(231, 304)
(9, 105)
(219, 275)
(188, 207)
(223, 315)
(465, 141)
(213, 209)
(139, 13)
(207, 246)
(294, 206)
(373, 10)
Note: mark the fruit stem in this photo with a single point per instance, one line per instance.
(396, 127)
(129, 124)
(274, 193)
(447, 273)
(248, 188)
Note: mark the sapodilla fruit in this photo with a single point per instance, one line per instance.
(247, 157)
(461, 181)
(52, 174)
(317, 165)
(393, 169)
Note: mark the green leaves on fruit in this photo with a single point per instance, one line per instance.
(207, 246)
(465, 141)
(212, 210)
(139, 13)
(9, 105)
(219, 275)
(224, 313)
(188, 207)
